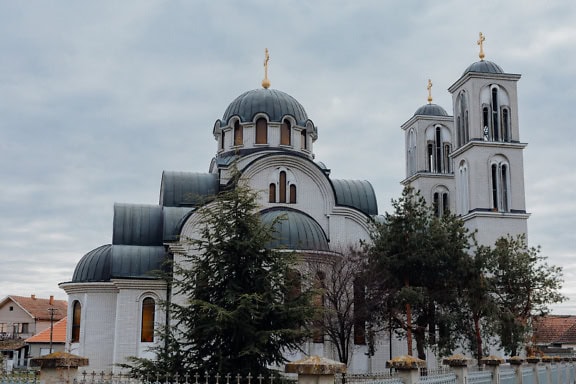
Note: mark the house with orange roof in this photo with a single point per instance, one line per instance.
(555, 334)
(22, 317)
(48, 341)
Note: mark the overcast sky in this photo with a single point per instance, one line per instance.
(97, 98)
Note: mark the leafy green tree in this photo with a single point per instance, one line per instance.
(235, 309)
(419, 260)
(523, 285)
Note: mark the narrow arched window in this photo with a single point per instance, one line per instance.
(272, 193)
(148, 313)
(292, 194)
(294, 284)
(485, 124)
(238, 134)
(222, 140)
(76, 319)
(436, 204)
(430, 158)
(261, 131)
(303, 140)
(463, 189)
(506, 125)
(285, 133)
(446, 160)
(438, 150)
(495, 198)
(495, 117)
(504, 184)
(282, 194)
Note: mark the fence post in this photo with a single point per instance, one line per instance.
(533, 361)
(315, 370)
(407, 367)
(493, 364)
(516, 362)
(58, 367)
(459, 365)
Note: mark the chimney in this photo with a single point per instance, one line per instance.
(33, 297)
(51, 300)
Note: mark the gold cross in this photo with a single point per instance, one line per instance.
(266, 82)
(429, 88)
(480, 42)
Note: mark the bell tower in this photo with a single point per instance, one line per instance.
(488, 154)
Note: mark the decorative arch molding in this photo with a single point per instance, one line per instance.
(499, 171)
(438, 149)
(463, 187)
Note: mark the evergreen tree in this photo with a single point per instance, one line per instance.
(235, 307)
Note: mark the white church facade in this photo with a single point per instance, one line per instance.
(470, 163)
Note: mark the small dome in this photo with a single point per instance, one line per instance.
(276, 104)
(431, 110)
(94, 266)
(119, 261)
(484, 66)
(295, 230)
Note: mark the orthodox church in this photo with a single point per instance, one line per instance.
(470, 163)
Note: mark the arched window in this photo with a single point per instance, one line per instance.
(238, 133)
(76, 320)
(411, 153)
(272, 193)
(438, 152)
(294, 279)
(282, 188)
(292, 194)
(286, 133)
(261, 131)
(463, 194)
(282, 194)
(147, 324)
(462, 128)
(222, 140)
(500, 186)
(441, 202)
(303, 140)
(506, 124)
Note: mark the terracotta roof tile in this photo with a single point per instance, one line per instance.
(58, 334)
(555, 329)
(38, 308)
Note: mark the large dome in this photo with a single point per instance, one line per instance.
(484, 66)
(276, 104)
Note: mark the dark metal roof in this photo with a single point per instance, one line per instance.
(94, 266)
(357, 194)
(174, 218)
(431, 110)
(295, 230)
(276, 104)
(187, 188)
(119, 261)
(137, 224)
(484, 66)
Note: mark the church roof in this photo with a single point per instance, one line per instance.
(431, 110)
(119, 261)
(295, 230)
(357, 194)
(187, 188)
(484, 66)
(274, 103)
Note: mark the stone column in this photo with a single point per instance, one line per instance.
(492, 363)
(459, 365)
(407, 367)
(516, 362)
(58, 367)
(533, 361)
(315, 370)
